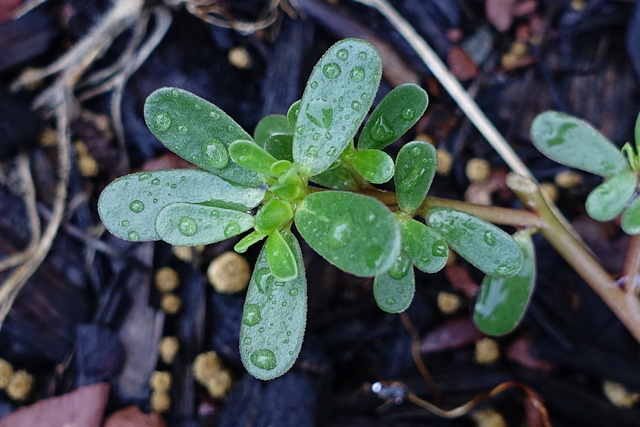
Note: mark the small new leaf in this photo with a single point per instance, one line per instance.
(395, 115)
(502, 302)
(608, 199)
(273, 124)
(274, 317)
(415, 168)
(281, 260)
(129, 205)
(250, 156)
(186, 224)
(573, 142)
(356, 233)
(197, 131)
(484, 245)
(374, 165)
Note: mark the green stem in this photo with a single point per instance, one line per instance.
(577, 255)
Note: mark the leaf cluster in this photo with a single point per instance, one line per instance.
(312, 169)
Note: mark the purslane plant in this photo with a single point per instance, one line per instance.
(312, 169)
(573, 142)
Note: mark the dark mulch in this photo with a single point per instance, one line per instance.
(90, 313)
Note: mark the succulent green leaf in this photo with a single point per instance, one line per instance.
(374, 165)
(630, 220)
(415, 168)
(274, 318)
(338, 96)
(502, 302)
(279, 146)
(573, 142)
(273, 215)
(273, 124)
(425, 248)
(292, 113)
(129, 205)
(484, 245)
(280, 258)
(250, 156)
(248, 240)
(337, 178)
(637, 130)
(394, 116)
(197, 131)
(393, 290)
(356, 233)
(608, 199)
(187, 224)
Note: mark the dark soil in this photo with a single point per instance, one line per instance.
(91, 314)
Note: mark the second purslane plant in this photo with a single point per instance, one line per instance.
(314, 169)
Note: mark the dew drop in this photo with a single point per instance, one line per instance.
(263, 359)
(400, 268)
(373, 256)
(380, 131)
(331, 70)
(357, 74)
(133, 235)
(174, 186)
(124, 223)
(284, 304)
(342, 54)
(183, 178)
(489, 238)
(251, 315)
(439, 248)
(247, 341)
(214, 214)
(161, 121)
(300, 130)
(391, 301)
(155, 181)
(175, 93)
(144, 175)
(293, 292)
(362, 55)
(408, 114)
(214, 151)
(182, 129)
(232, 229)
(316, 136)
(261, 330)
(136, 206)
(364, 96)
(314, 85)
(155, 200)
(338, 235)
(187, 226)
(214, 115)
(357, 106)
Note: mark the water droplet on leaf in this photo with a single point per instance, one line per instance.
(144, 175)
(293, 292)
(439, 249)
(263, 359)
(314, 85)
(408, 114)
(187, 226)
(124, 223)
(215, 153)
(331, 70)
(357, 74)
(161, 121)
(362, 55)
(251, 315)
(357, 106)
(136, 206)
(232, 229)
(156, 181)
(380, 131)
(489, 238)
(133, 235)
(342, 54)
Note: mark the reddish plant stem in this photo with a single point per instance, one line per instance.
(632, 265)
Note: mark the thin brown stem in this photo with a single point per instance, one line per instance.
(577, 255)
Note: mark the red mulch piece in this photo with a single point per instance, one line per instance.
(82, 407)
(461, 280)
(453, 334)
(460, 64)
(519, 352)
(500, 13)
(7, 9)
(134, 417)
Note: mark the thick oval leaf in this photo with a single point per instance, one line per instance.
(502, 301)
(573, 142)
(630, 220)
(356, 233)
(272, 215)
(197, 131)
(374, 165)
(129, 205)
(393, 290)
(395, 115)
(608, 199)
(186, 224)
(279, 146)
(274, 318)
(250, 156)
(281, 260)
(425, 248)
(484, 245)
(337, 178)
(637, 130)
(273, 124)
(338, 96)
(415, 168)
(292, 113)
